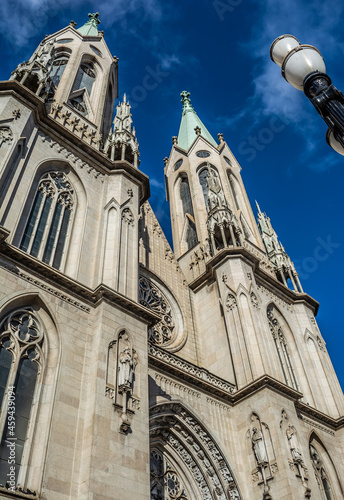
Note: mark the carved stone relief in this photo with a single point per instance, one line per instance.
(120, 378)
(200, 374)
(254, 300)
(231, 302)
(6, 135)
(259, 438)
(173, 424)
(128, 217)
(296, 463)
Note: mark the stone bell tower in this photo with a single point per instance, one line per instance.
(209, 204)
(254, 326)
(73, 337)
(74, 67)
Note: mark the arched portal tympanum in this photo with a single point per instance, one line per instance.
(186, 462)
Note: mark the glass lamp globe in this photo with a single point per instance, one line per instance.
(300, 62)
(281, 46)
(331, 141)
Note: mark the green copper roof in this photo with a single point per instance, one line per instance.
(189, 122)
(91, 27)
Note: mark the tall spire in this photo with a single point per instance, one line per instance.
(91, 27)
(122, 142)
(190, 122)
(277, 255)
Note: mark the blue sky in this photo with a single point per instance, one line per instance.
(219, 51)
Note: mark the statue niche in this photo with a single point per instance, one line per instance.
(120, 378)
(259, 438)
(296, 463)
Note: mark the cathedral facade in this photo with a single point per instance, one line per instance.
(130, 370)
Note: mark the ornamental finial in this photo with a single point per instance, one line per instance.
(185, 99)
(91, 27)
(94, 17)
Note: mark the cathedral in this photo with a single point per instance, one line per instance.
(128, 369)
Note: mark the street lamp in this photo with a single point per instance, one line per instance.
(304, 68)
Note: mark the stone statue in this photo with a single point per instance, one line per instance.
(258, 446)
(215, 195)
(294, 444)
(126, 370)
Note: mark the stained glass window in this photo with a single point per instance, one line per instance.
(46, 230)
(58, 67)
(21, 336)
(188, 213)
(85, 78)
(185, 196)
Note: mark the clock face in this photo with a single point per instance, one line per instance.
(177, 164)
(202, 154)
(96, 51)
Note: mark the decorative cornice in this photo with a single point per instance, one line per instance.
(58, 132)
(57, 147)
(277, 299)
(216, 386)
(55, 282)
(313, 424)
(19, 493)
(13, 269)
(334, 423)
(200, 377)
(269, 281)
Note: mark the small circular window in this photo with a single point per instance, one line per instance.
(64, 40)
(96, 51)
(228, 160)
(202, 154)
(177, 164)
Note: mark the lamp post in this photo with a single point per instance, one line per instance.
(304, 68)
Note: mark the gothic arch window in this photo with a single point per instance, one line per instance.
(151, 296)
(185, 196)
(189, 233)
(57, 69)
(202, 176)
(169, 332)
(320, 471)
(281, 348)
(47, 228)
(80, 97)
(234, 189)
(21, 362)
(85, 78)
(208, 175)
(108, 109)
(319, 381)
(165, 480)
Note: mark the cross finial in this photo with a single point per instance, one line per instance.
(94, 17)
(185, 99)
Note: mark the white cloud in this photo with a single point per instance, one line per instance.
(169, 61)
(31, 16)
(157, 184)
(327, 162)
(316, 23)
